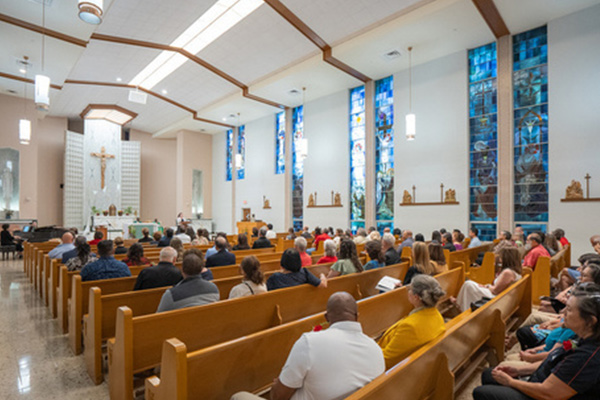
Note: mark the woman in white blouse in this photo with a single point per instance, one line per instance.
(253, 282)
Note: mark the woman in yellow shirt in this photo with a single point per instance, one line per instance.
(421, 326)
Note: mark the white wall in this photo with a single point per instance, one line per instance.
(260, 179)
(439, 154)
(221, 189)
(327, 167)
(574, 121)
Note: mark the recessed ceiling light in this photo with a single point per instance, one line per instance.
(22, 70)
(164, 91)
(119, 79)
(224, 118)
(392, 54)
(294, 92)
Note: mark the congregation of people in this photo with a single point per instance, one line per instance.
(538, 359)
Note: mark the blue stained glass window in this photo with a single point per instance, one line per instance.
(357, 157)
(229, 155)
(297, 167)
(483, 143)
(280, 143)
(532, 228)
(530, 86)
(241, 170)
(384, 150)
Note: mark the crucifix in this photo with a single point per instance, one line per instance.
(103, 156)
(442, 192)
(414, 194)
(587, 185)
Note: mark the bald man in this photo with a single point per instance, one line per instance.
(222, 256)
(330, 364)
(66, 245)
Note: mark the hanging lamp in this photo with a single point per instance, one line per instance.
(24, 123)
(42, 82)
(411, 120)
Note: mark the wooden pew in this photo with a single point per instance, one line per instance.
(486, 273)
(216, 372)
(560, 260)
(540, 279)
(435, 365)
(468, 256)
(138, 341)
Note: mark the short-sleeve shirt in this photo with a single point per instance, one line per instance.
(373, 264)
(579, 368)
(306, 259)
(280, 280)
(333, 363)
(344, 267)
(247, 288)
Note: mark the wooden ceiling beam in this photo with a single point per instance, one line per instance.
(318, 41)
(44, 31)
(492, 17)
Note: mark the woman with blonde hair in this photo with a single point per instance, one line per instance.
(421, 262)
(177, 244)
(436, 253)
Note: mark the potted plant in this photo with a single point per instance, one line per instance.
(105, 213)
(120, 213)
(8, 213)
(95, 211)
(128, 210)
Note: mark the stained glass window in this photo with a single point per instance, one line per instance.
(384, 150)
(530, 86)
(241, 170)
(297, 168)
(483, 143)
(229, 154)
(280, 143)
(357, 158)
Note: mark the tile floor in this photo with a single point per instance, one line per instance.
(35, 359)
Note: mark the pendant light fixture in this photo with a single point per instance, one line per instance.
(24, 123)
(411, 120)
(42, 82)
(90, 11)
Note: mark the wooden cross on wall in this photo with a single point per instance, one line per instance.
(103, 156)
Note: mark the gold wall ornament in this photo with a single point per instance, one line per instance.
(407, 198)
(112, 210)
(336, 200)
(574, 190)
(450, 196)
(311, 200)
(266, 203)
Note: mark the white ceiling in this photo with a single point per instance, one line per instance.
(263, 51)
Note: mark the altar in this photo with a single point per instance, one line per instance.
(246, 226)
(115, 225)
(134, 230)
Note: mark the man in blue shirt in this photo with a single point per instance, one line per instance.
(106, 267)
(66, 245)
(473, 232)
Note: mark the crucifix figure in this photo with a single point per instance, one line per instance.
(414, 188)
(103, 156)
(587, 185)
(442, 192)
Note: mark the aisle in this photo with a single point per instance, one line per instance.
(35, 359)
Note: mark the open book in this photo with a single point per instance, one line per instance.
(387, 283)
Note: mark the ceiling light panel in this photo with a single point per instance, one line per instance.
(257, 46)
(221, 17)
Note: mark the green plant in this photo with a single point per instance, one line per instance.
(95, 210)
(128, 210)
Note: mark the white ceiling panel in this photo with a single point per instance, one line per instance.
(521, 16)
(156, 21)
(195, 86)
(433, 31)
(319, 79)
(61, 16)
(105, 62)
(154, 115)
(260, 44)
(336, 20)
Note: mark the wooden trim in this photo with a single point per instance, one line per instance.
(23, 79)
(158, 96)
(492, 17)
(580, 200)
(435, 203)
(191, 57)
(318, 41)
(44, 31)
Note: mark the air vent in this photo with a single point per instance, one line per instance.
(294, 92)
(11, 91)
(23, 63)
(392, 54)
(136, 96)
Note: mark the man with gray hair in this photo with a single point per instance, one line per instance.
(387, 247)
(300, 245)
(361, 236)
(262, 241)
(163, 274)
(330, 364)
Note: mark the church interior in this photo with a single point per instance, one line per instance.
(135, 118)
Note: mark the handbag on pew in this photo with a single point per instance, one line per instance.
(476, 304)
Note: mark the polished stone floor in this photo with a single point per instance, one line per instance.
(35, 359)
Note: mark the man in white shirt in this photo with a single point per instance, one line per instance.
(331, 364)
(271, 234)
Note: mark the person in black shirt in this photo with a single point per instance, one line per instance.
(166, 240)
(292, 273)
(262, 242)
(571, 371)
(146, 238)
(8, 240)
(222, 256)
(387, 247)
(447, 242)
(163, 274)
